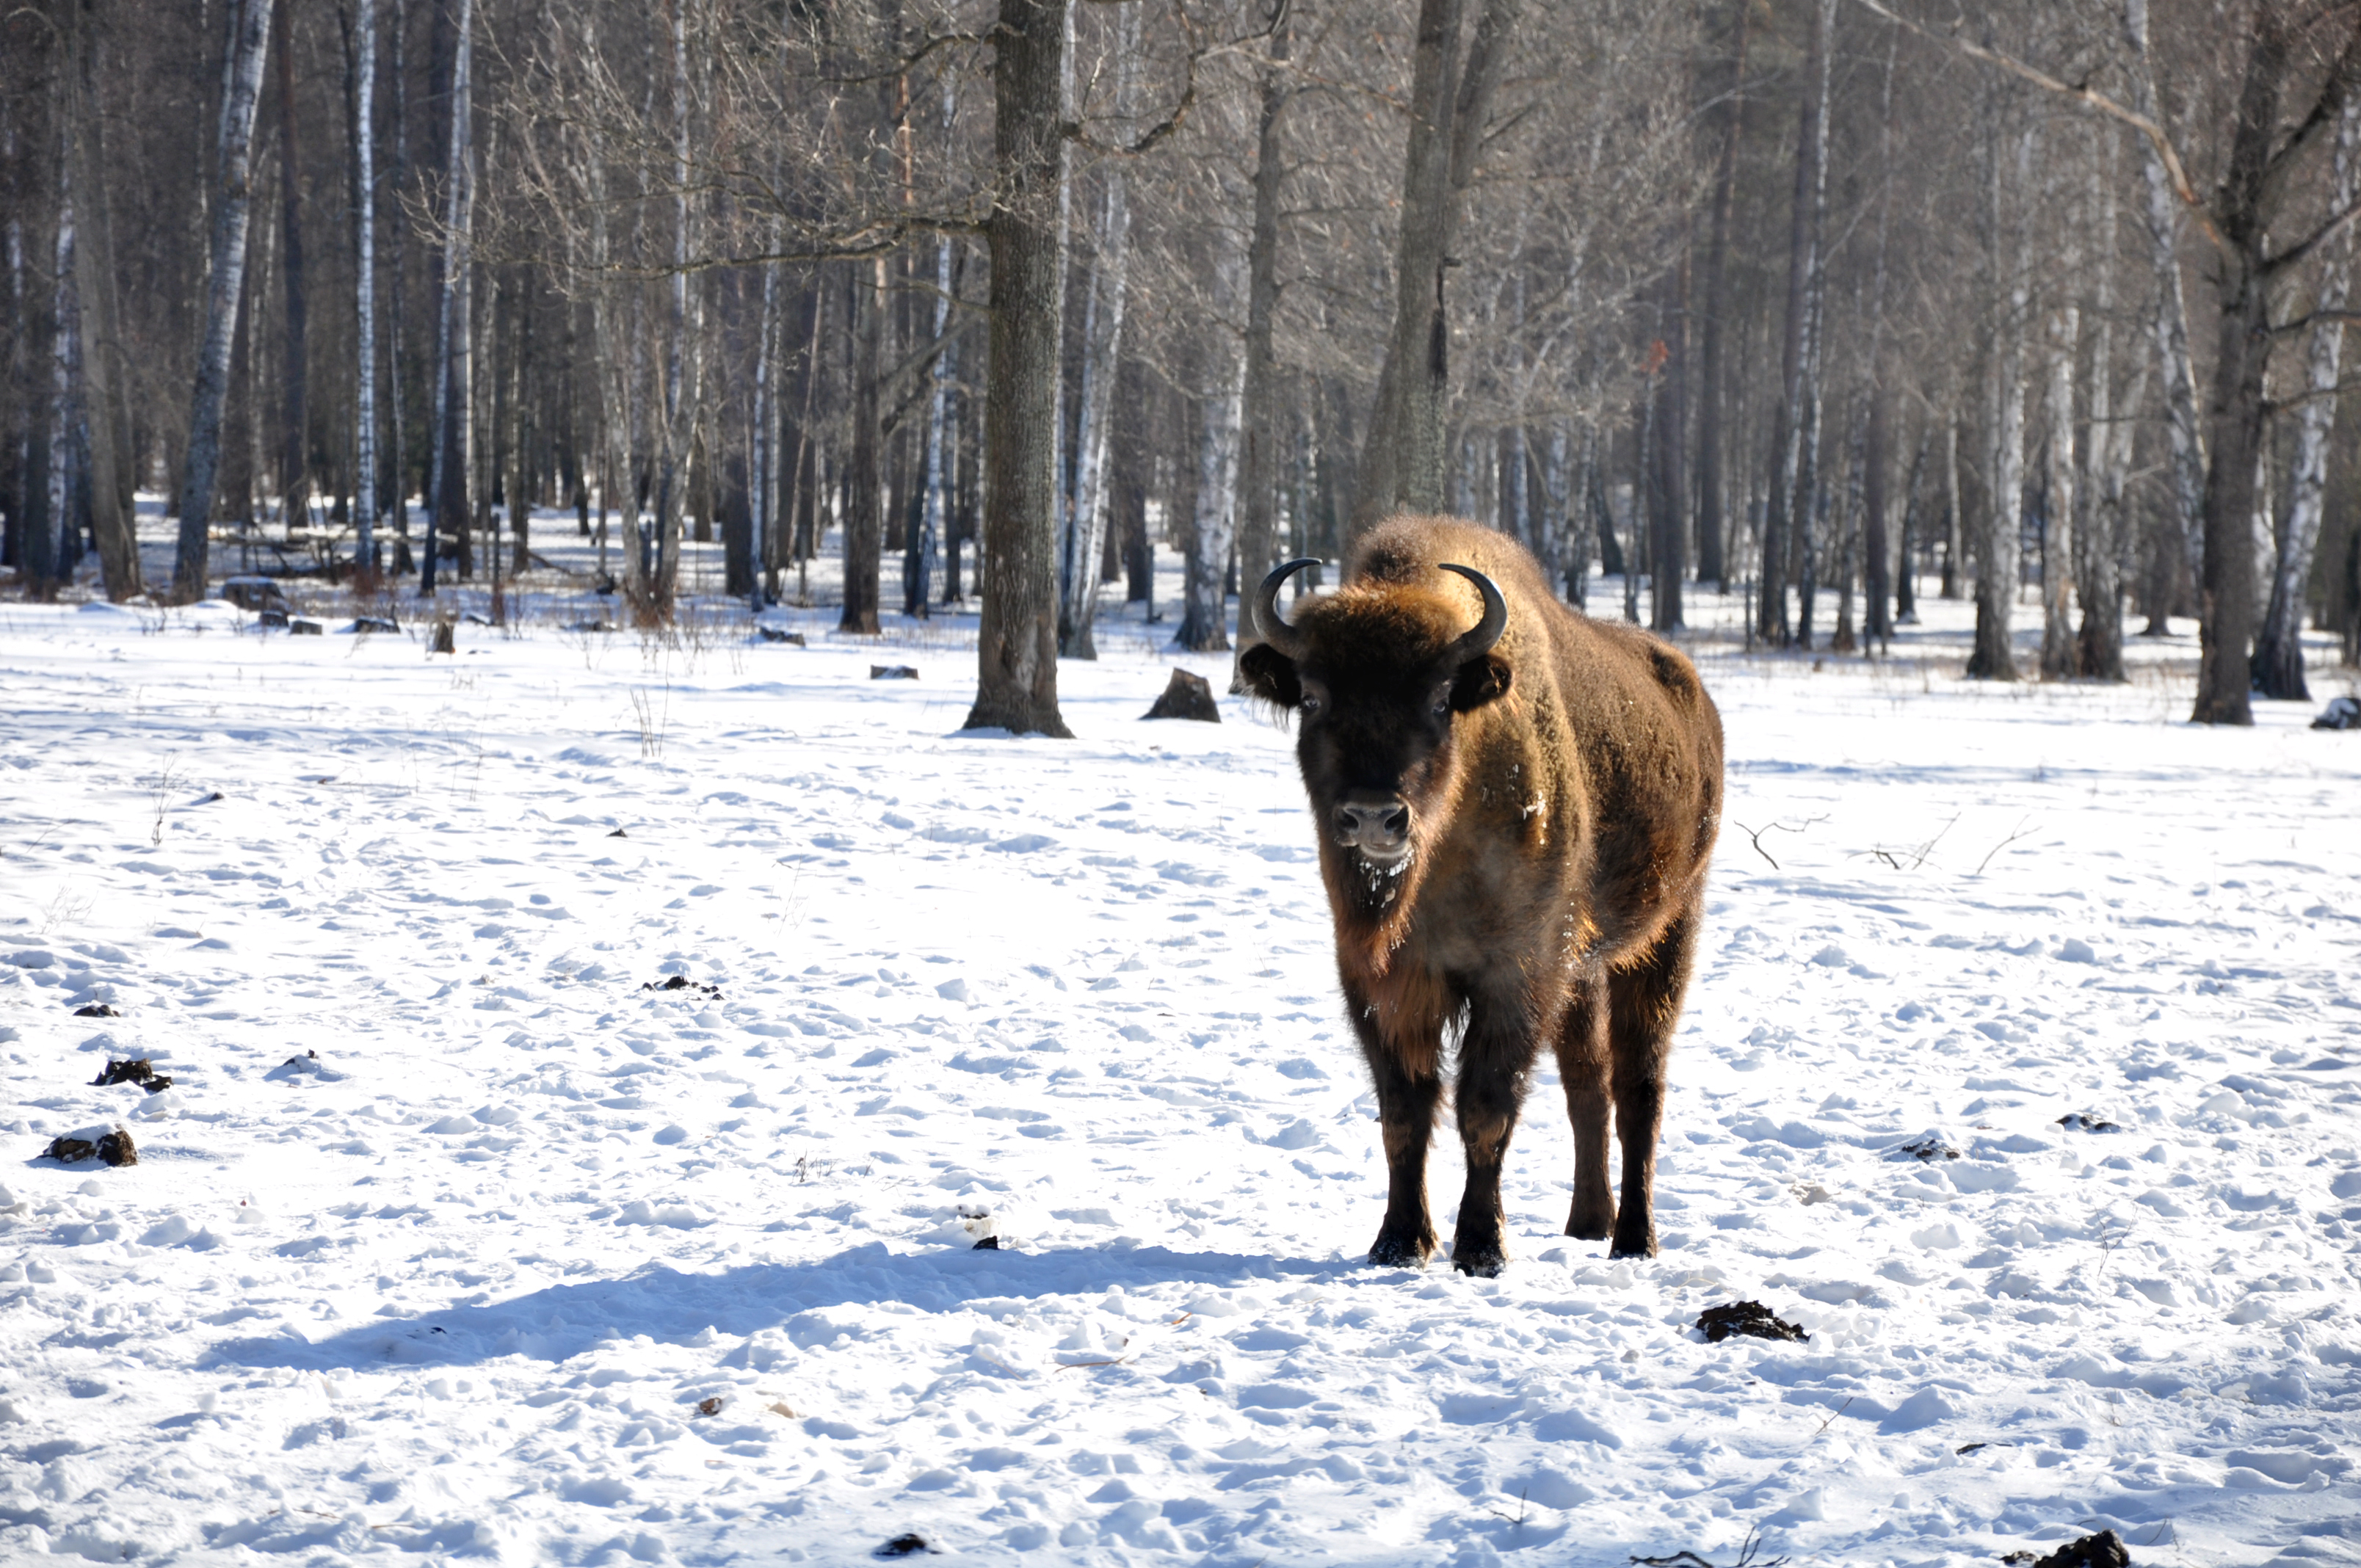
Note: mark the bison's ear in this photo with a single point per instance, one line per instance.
(1271, 676)
(1481, 680)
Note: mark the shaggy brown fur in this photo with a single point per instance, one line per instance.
(1563, 792)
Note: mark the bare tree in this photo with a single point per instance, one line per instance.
(1016, 651)
(249, 32)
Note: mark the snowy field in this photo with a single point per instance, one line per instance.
(451, 1239)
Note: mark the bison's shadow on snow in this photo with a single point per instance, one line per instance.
(561, 1321)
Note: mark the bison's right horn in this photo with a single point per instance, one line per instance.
(1268, 624)
(1495, 615)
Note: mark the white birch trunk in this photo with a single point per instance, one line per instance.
(454, 356)
(249, 30)
(680, 390)
(2162, 212)
(64, 521)
(2107, 458)
(2060, 653)
(935, 508)
(1084, 533)
(1204, 624)
(760, 466)
(365, 513)
(1551, 536)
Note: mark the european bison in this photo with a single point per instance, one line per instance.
(1517, 804)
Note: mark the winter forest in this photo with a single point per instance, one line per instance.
(603, 959)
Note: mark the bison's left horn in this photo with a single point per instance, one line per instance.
(1268, 624)
(1495, 615)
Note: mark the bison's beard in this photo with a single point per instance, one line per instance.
(1372, 904)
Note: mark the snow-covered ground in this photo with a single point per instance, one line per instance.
(465, 1282)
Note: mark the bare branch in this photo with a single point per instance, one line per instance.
(2294, 254)
(2081, 93)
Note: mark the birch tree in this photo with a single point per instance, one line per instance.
(455, 424)
(1083, 508)
(249, 32)
(365, 490)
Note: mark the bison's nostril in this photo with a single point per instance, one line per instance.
(1383, 825)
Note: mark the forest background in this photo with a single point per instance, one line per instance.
(1810, 301)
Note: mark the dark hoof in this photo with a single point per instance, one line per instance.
(1591, 1226)
(1391, 1251)
(1643, 1244)
(1481, 1262)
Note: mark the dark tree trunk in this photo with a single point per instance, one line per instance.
(100, 353)
(1878, 623)
(1905, 578)
(2234, 413)
(864, 517)
(1016, 648)
(1402, 461)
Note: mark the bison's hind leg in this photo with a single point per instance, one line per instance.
(1582, 1067)
(1643, 1009)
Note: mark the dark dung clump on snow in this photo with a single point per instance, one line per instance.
(113, 1148)
(137, 1072)
(1186, 696)
(2104, 1550)
(2083, 1121)
(989, 1244)
(1928, 1148)
(682, 982)
(905, 1545)
(96, 1010)
(1751, 1319)
(710, 1405)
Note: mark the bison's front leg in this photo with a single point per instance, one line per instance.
(1402, 1052)
(1495, 1060)
(1406, 1101)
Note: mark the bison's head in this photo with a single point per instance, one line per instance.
(1377, 673)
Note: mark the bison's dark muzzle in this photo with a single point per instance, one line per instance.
(1378, 826)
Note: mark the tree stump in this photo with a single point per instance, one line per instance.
(1186, 696)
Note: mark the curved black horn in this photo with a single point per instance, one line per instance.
(1496, 614)
(1267, 623)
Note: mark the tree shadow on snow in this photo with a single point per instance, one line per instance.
(562, 1322)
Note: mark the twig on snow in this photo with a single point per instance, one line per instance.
(1746, 1556)
(2022, 830)
(1756, 834)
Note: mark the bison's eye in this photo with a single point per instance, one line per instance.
(1310, 705)
(1441, 708)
